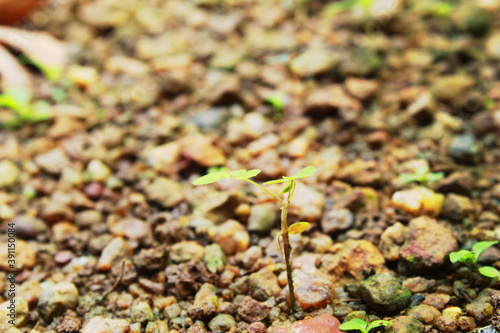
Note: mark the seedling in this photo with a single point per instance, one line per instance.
(278, 100)
(346, 5)
(435, 8)
(288, 191)
(422, 176)
(362, 326)
(20, 101)
(470, 259)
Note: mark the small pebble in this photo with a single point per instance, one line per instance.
(106, 325)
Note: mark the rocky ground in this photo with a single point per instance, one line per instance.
(112, 236)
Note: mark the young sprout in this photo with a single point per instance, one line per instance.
(347, 5)
(277, 99)
(470, 259)
(20, 101)
(362, 326)
(422, 176)
(288, 191)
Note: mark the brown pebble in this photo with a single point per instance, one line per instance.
(438, 301)
(419, 284)
(25, 256)
(466, 323)
(446, 324)
(152, 286)
(377, 139)
(426, 314)
(124, 301)
(28, 226)
(63, 230)
(257, 327)
(54, 212)
(30, 291)
(93, 190)
(252, 311)
(63, 257)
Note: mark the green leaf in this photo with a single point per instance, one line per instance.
(277, 99)
(457, 256)
(40, 111)
(17, 99)
(422, 170)
(216, 169)
(11, 122)
(366, 3)
(212, 178)
(298, 228)
(443, 8)
(51, 72)
(354, 324)
(287, 188)
(434, 176)
(238, 173)
(249, 174)
(489, 103)
(8, 102)
(378, 323)
(489, 271)
(338, 7)
(408, 177)
(480, 247)
(58, 94)
(306, 172)
(276, 181)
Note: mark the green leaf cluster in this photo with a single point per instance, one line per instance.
(435, 8)
(278, 100)
(471, 257)
(213, 177)
(346, 5)
(20, 101)
(422, 176)
(289, 181)
(362, 326)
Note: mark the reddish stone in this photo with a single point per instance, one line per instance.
(321, 324)
(353, 257)
(93, 190)
(63, 257)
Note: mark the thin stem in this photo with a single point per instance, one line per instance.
(287, 247)
(117, 282)
(292, 190)
(267, 191)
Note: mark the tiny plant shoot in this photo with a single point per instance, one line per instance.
(362, 326)
(20, 100)
(287, 191)
(470, 258)
(422, 176)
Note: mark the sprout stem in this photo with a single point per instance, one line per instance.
(267, 191)
(287, 247)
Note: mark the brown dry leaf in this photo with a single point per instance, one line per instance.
(48, 53)
(12, 73)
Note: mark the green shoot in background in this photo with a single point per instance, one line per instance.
(20, 101)
(470, 258)
(288, 191)
(362, 326)
(422, 176)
